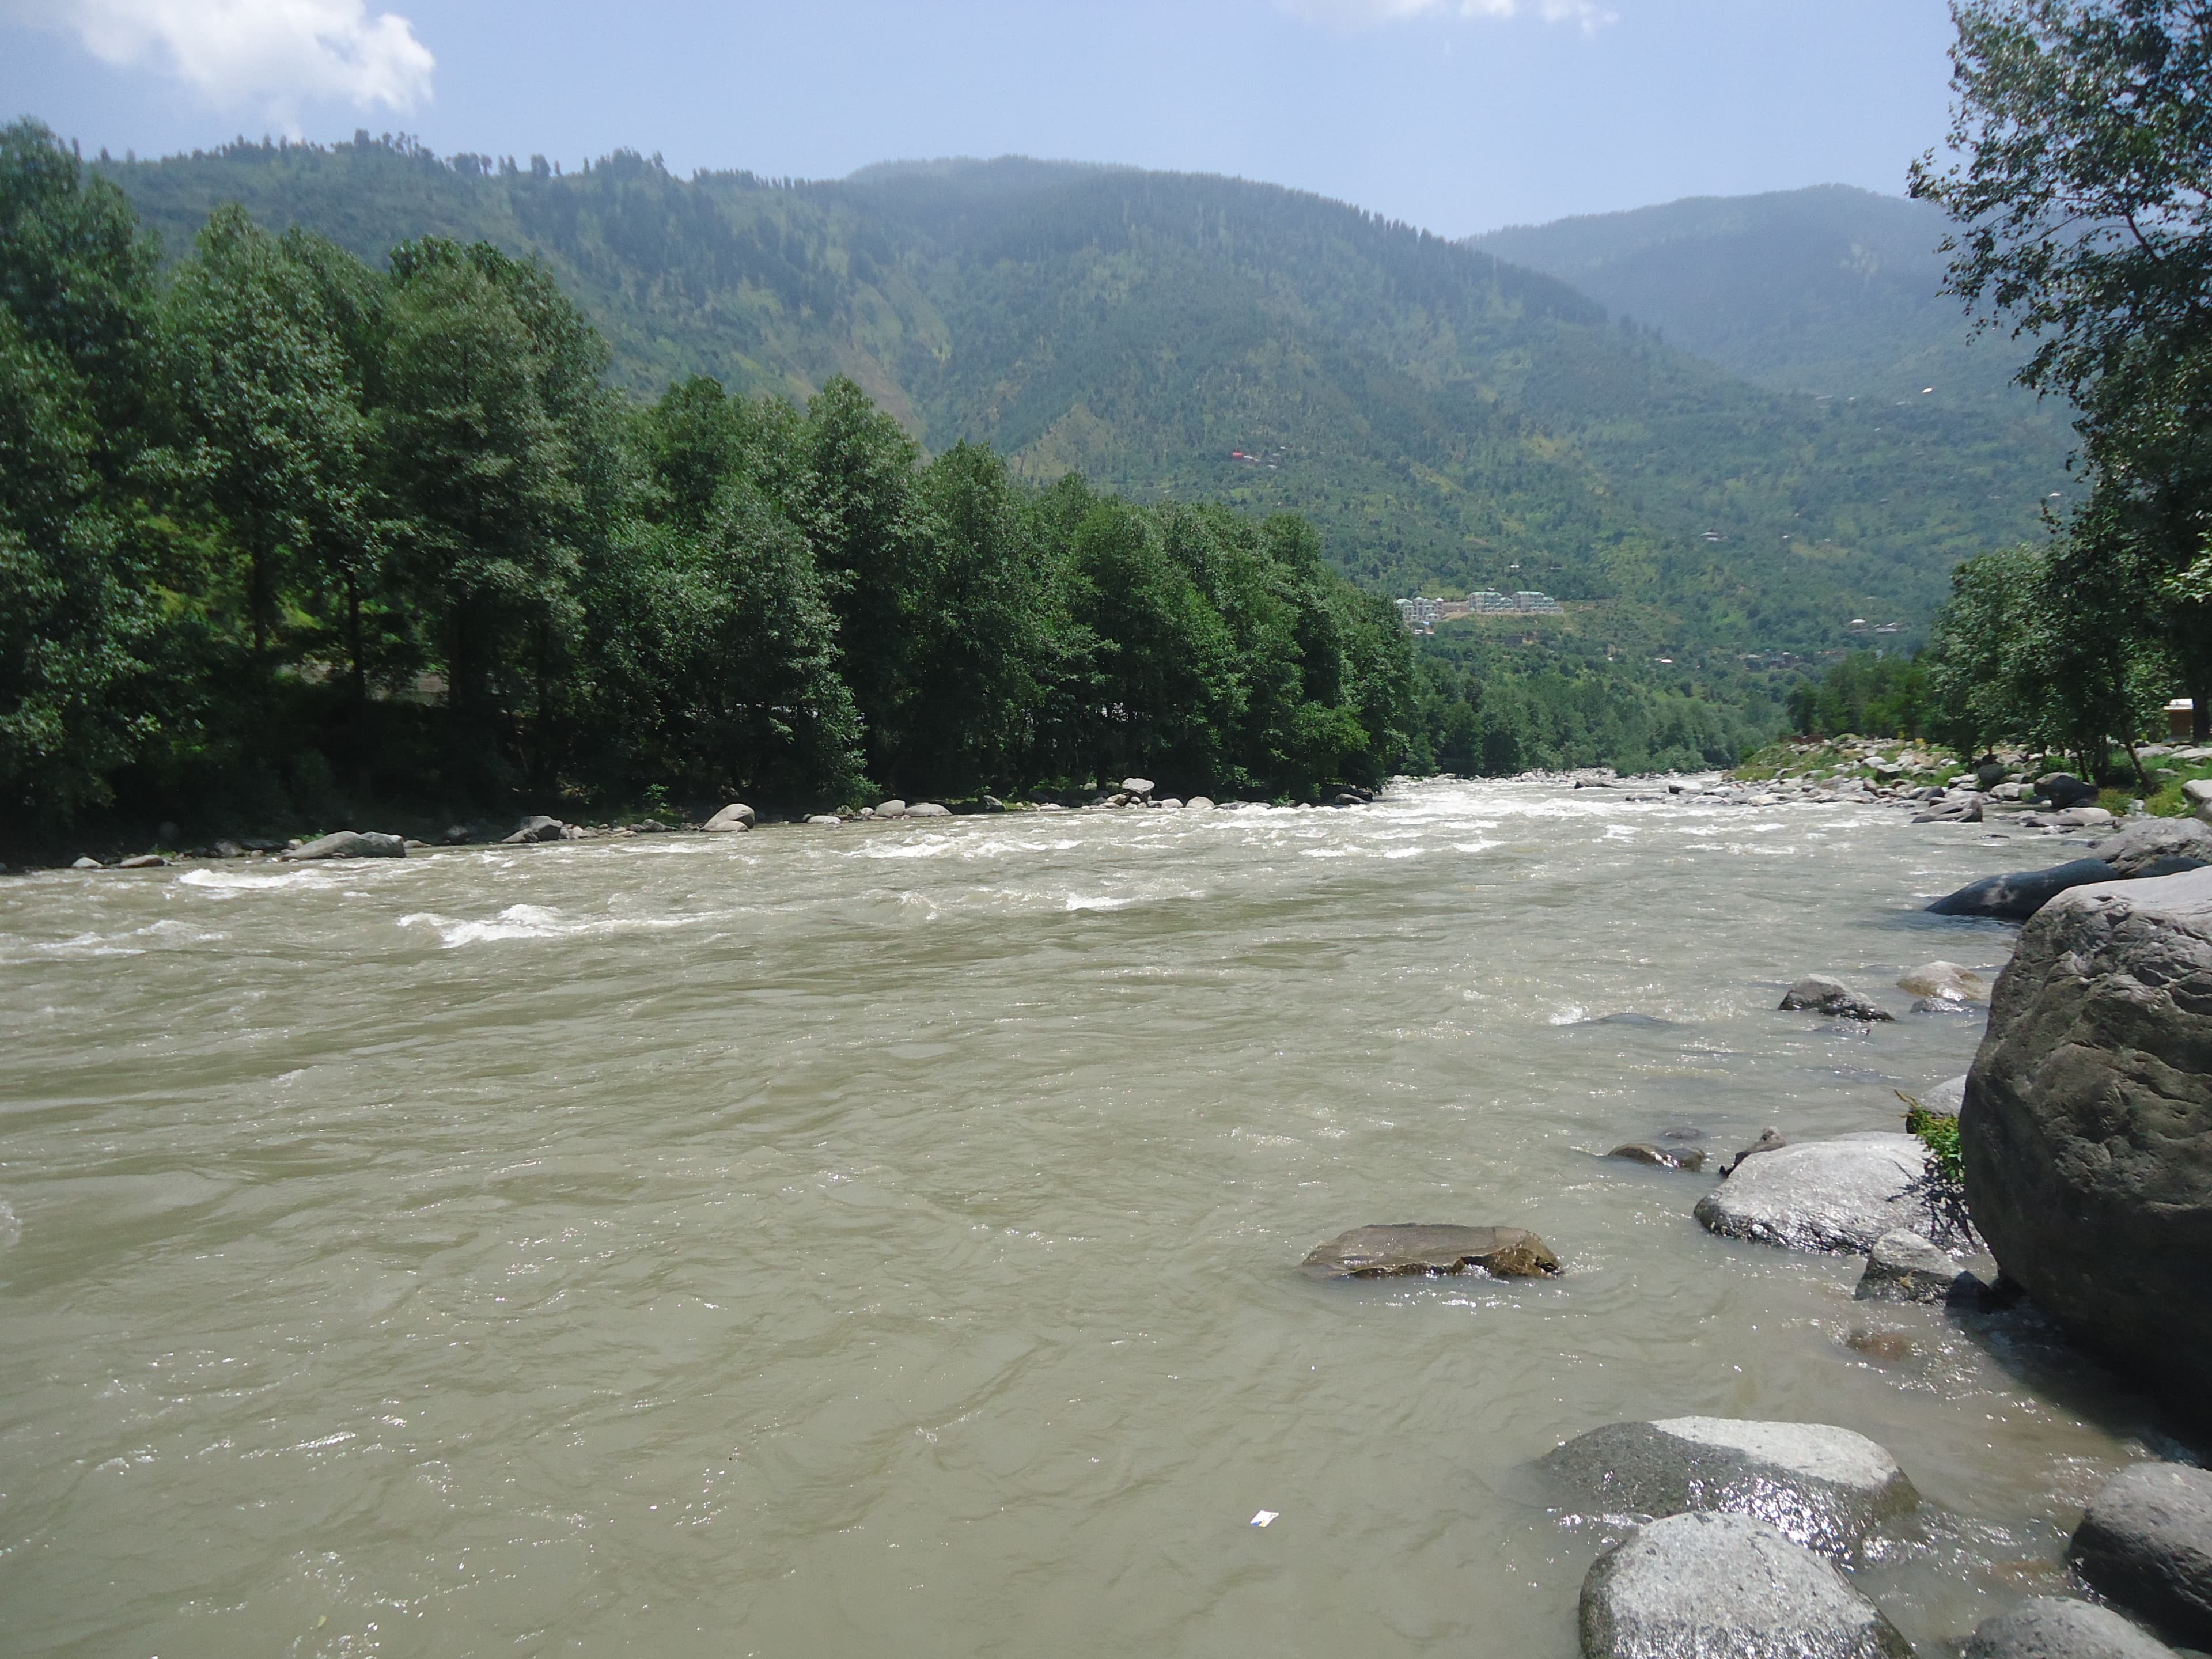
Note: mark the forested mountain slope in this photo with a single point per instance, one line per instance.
(1448, 419)
(1830, 290)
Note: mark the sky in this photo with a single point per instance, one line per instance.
(1455, 115)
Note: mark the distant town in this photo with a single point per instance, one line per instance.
(1422, 615)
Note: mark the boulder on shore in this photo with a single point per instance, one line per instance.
(2020, 894)
(2063, 789)
(1136, 786)
(1817, 993)
(890, 809)
(1821, 1486)
(2050, 1627)
(1386, 1251)
(735, 818)
(2145, 842)
(1706, 1586)
(2146, 1546)
(1840, 1195)
(347, 844)
(2086, 1130)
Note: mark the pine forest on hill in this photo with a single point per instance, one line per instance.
(1448, 420)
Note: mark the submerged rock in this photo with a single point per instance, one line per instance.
(2146, 1546)
(1904, 1266)
(347, 844)
(1662, 1154)
(2051, 1628)
(1840, 1195)
(144, 861)
(2020, 894)
(1417, 1248)
(2086, 1132)
(734, 818)
(1821, 1486)
(1704, 1586)
(1818, 994)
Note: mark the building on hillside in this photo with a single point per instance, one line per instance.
(2181, 719)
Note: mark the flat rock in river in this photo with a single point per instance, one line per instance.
(2051, 1628)
(348, 844)
(2146, 1546)
(1840, 1195)
(1704, 1586)
(1417, 1248)
(1904, 1267)
(1822, 1486)
(1662, 1154)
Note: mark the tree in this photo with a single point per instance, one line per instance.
(2084, 202)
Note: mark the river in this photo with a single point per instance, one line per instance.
(882, 1239)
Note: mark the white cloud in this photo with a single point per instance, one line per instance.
(1588, 14)
(275, 55)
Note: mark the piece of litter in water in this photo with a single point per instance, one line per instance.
(1267, 1517)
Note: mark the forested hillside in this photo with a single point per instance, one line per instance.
(1830, 291)
(1445, 419)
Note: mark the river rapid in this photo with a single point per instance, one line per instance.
(884, 1239)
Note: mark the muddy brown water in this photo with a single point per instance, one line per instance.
(884, 1239)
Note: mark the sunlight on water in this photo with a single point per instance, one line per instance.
(837, 1241)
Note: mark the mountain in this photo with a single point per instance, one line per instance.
(1832, 291)
(1448, 418)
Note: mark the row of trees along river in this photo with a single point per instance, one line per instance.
(286, 539)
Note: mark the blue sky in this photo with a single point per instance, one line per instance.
(1457, 115)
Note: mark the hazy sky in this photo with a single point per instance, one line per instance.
(1458, 115)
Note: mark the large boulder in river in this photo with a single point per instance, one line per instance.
(2086, 1130)
(1840, 1195)
(2146, 1546)
(2050, 1627)
(2156, 846)
(929, 809)
(1821, 1486)
(2063, 789)
(733, 819)
(2017, 897)
(348, 844)
(537, 827)
(1704, 1586)
(1417, 1248)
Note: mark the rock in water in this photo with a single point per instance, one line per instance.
(1821, 1486)
(1817, 993)
(1840, 1195)
(734, 818)
(1770, 1140)
(1945, 981)
(2086, 1131)
(2146, 1546)
(1136, 786)
(348, 844)
(86, 862)
(1198, 804)
(890, 809)
(2017, 897)
(1704, 1586)
(1661, 1156)
(537, 826)
(2149, 841)
(2049, 1628)
(929, 809)
(1414, 1247)
(827, 820)
(144, 861)
(1904, 1267)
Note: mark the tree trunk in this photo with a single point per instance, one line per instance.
(352, 639)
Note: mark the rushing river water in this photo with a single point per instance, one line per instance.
(883, 1240)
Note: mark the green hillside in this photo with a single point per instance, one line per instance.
(1831, 290)
(1449, 420)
